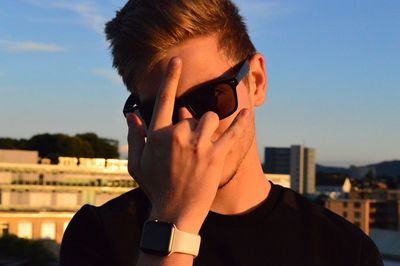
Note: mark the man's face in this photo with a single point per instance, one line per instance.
(202, 62)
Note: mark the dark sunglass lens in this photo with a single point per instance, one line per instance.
(219, 98)
(225, 100)
(175, 115)
(146, 112)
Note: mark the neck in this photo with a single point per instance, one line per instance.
(249, 185)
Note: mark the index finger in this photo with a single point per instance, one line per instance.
(165, 100)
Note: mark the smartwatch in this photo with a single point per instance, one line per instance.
(163, 238)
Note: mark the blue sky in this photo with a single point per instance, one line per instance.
(333, 69)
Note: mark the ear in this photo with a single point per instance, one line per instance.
(257, 79)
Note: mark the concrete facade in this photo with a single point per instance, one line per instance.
(279, 179)
(296, 161)
(37, 201)
(19, 156)
(368, 213)
(35, 225)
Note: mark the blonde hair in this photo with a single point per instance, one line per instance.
(143, 31)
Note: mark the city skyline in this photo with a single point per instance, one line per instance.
(333, 71)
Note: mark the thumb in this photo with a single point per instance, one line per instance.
(136, 142)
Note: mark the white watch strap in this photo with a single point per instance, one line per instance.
(184, 242)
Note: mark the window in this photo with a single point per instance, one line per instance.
(39, 198)
(345, 204)
(25, 230)
(357, 215)
(345, 214)
(41, 179)
(4, 229)
(48, 231)
(66, 199)
(357, 205)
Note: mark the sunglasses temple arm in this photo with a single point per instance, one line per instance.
(244, 69)
(131, 109)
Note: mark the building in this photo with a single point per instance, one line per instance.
(378, 194)
(334, 185)
(296, 161)
(355, 211)
(279, 179)
(367, 213)
(37, 200)
(18, 156)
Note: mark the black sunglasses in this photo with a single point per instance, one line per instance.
(218, 96)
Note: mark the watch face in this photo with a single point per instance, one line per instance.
(157, 237)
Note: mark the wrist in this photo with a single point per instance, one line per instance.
(164, 238)
(184, 222)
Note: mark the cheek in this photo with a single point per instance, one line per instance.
(244, 100)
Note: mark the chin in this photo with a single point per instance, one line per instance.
(230, 173)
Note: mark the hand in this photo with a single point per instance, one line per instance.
(180, 166)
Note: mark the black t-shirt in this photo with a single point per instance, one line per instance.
(285, 230)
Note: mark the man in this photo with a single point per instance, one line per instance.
(195, 80)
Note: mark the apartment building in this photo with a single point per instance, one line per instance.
(38, 200)
(296, 161)
(367, 213)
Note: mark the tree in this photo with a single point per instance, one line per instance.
(103, 148)
(13, 144)
(33, 252)
(52, 146)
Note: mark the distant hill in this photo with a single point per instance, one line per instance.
(383, 169)
(332, 170)
(387, 168)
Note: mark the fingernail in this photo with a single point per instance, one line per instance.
(174, 62)
(130, 117)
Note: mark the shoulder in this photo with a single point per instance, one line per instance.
(324, 227)
(106, 230)
(312, 213)
(131, 207)
(131, 203)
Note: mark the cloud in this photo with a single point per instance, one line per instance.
(109, 74)
(87, 11)
(29, 46)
